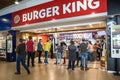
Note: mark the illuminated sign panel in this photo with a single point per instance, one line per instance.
(59, 9)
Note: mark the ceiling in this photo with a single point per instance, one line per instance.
(6, 3)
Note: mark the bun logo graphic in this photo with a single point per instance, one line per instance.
(16, 19)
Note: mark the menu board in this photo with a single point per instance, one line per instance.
(76, 36)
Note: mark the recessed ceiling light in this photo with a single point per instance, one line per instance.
(16, 2)
(112, 16)
(4, 20)
(90, 24)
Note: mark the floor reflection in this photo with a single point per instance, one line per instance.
(54, 72)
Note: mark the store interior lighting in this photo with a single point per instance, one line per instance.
(64, 26)
(16, 2)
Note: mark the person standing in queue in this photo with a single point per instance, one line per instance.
(40, 49)
(72, 55)
(21, 57)
(98, 49)
(51, 51)
(84, 55)
(90, 51)
(64, 52)
(47, 49)
(30, 50)
(77, 53)
(59, 50)
(79, 56)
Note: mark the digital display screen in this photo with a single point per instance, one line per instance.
(76, 36)
(98, 34)
(116, 41)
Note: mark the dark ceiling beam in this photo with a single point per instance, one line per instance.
(6, 3)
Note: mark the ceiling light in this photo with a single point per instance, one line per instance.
(75, 27)
(90, 24)
(5, 20)
(16, 2)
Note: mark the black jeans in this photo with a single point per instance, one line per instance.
(30, 55)
(39, 56)
(99, 54)
(71, 64)
(77, 58)
(52, 56)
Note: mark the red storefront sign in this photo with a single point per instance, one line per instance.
(58, 9)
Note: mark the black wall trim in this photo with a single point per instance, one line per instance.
(113, 7)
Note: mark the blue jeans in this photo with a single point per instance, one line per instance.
(21, 58)
(91, 56)
(84, 60)
(30, 55)
(58, 58)
(46, 57)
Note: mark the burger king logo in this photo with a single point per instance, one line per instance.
(16, 19)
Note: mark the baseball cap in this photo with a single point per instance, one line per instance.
(21, 40)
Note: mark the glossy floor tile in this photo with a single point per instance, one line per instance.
(54, 72)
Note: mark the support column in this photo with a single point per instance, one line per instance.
(112, 63)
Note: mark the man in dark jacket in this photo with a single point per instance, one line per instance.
(21, 57)
(72, 55)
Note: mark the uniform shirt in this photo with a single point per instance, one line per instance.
(30, 46)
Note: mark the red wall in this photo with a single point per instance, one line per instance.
(44, 38)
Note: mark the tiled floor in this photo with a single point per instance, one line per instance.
(54, 72)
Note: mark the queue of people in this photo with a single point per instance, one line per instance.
(76, 53)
